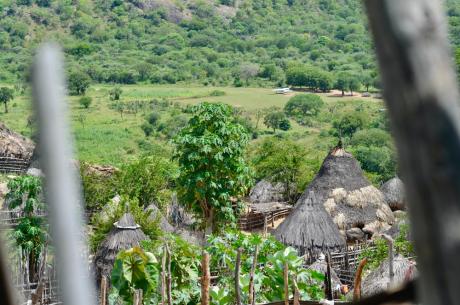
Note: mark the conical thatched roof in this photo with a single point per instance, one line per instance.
(309, 227)
(265, 191)
(124, 235)
(394, 194)
(348, 197)
(377, 281)
(156, 215)
(14, 145)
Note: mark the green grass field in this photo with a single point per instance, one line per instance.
(103, 136)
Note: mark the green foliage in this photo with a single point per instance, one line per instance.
(98, 189)
(348, 124)
(30, 234)
(148, 179)
(277, 120)
(217, 93)
(310, 77)
(103, 221)
(302, 106)
(281, 161)
(6, 95)
(147, 129)
(85, 101)
(212, 169)
(153, 118)
(115, 93)
(78, 83)
(377, 254)
(134, 269)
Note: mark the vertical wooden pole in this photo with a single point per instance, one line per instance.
(252, 295)
(329, 292)
(137, 297)
(169, 277)
(205, 279)
(273, 220)
(265, 225)
(163, 278)
(103, 290)
(390, 258)
(421, 91)
(286, 283)
(296, 291)
(237, 276)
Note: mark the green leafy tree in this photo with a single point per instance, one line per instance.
(78, 83)
(276, 120)
(115, 93)
(6, 95)
(304, 105)
(348, 124)
(213, 172)
(30, 233)
(85, 101)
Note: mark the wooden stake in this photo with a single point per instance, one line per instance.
(103, 290)
(137, 298)
(252, 296)
(205, 279)
(286, 283)
(296, 292)
(390, 259)
(329, 293)
(163, 278)
(237, 276)
(169, 277)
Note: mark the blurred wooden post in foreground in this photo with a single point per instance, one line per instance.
(205, 279)
(137, 298)
(421, 93)
(103, 290)
(237, 276)
(286, 283)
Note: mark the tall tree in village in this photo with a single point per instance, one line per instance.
(213, 173)
(6, 95)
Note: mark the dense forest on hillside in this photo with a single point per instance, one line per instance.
(216, 42)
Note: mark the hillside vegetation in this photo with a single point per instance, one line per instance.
(219, 42)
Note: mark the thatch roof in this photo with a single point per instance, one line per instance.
(265, 191)
(394, 194)
(348, 197)
(125, 234)
(377, 281)
(309, 227)
(14, 145)
(156, 215)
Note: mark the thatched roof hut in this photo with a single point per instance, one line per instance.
(309, 227)
(394, 194)
(14, 145)
(125, 234)
(348, 197)
(265, 191)
(156, 215)
(377, 281)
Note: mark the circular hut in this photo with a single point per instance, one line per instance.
(265, 191)
(378, 280)
(125, 234)
(394, 194)
(309, 228)
(348, 197)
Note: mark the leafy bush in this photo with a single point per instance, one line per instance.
(147, 129)
(217, 93)
(348, 124)
(78, 83)
(85, 101)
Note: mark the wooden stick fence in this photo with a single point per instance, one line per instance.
(13, 165)
(257, 220)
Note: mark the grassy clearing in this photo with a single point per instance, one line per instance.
(104, 136)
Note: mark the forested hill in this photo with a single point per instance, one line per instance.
(221, 42)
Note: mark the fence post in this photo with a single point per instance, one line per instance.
(286, 283)
(205, 279)
(329, 293)
(296, 292)
(237, 276)
(252, 296)
(163, 278)
(390, 258)
(137, 297)
(168, 279)
(103, 290)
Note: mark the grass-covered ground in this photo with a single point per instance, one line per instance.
(104, 136)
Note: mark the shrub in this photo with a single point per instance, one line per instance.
(304, 105)
(217, 93)
(153, 118)
(78, 83)
(85, 101)
(147, 129)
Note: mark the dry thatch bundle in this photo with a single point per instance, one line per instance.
(124, 235)
(309, 227)
(377, 281)
(394, 194)
(14, 145)
(265, 191)
(348, 196)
